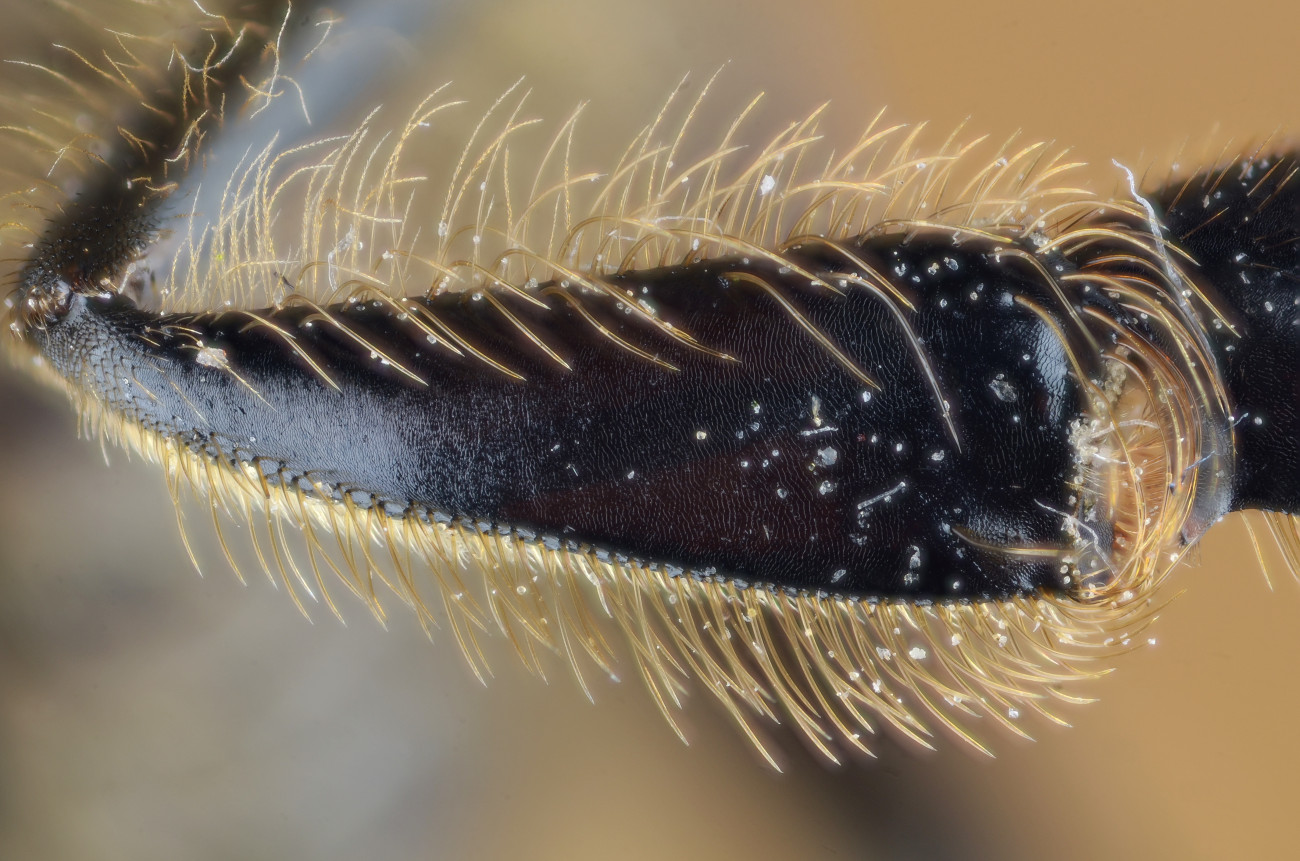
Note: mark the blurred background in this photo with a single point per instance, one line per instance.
(148, 713)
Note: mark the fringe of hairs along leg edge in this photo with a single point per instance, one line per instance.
(1127, 309)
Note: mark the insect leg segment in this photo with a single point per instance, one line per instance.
(1241, 223)
(844, 451)
(748, 424)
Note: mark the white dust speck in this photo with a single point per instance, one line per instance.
(212, 357)
(1003, 390)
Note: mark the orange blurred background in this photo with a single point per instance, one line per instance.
(147, 713)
